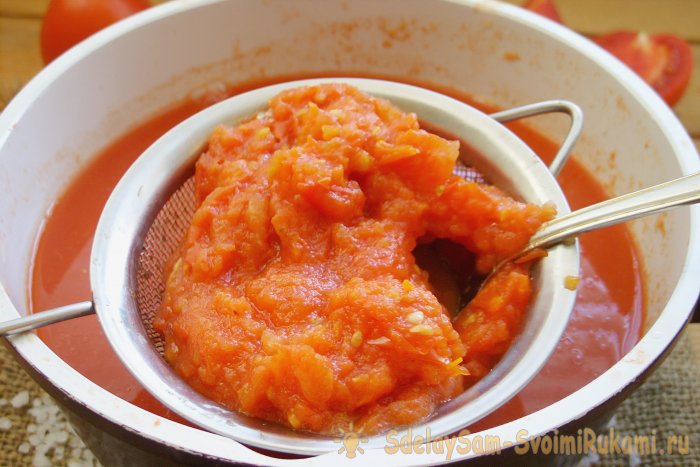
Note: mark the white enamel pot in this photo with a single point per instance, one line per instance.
(130, 71)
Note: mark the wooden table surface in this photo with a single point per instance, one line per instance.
(20, 22)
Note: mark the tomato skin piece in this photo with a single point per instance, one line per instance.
(544, 8)
(664, 61)
(68, 22)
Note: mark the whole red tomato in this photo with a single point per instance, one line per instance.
(68, 22)
(545, 8)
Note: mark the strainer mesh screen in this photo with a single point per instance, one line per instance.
(163, 239)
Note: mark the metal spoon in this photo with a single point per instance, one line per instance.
(678, 192)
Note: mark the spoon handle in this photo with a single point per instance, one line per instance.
(27, 323)
(681, 191)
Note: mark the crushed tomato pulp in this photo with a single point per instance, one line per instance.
(295, 296)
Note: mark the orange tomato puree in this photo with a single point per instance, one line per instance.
(295, 296)
(605, 324)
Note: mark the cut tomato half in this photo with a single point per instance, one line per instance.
(664, 61)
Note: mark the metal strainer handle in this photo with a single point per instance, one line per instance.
(37, 320)
(545, 107)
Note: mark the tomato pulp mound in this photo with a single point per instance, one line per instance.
(295, 296)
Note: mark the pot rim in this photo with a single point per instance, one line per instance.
(621, 375)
